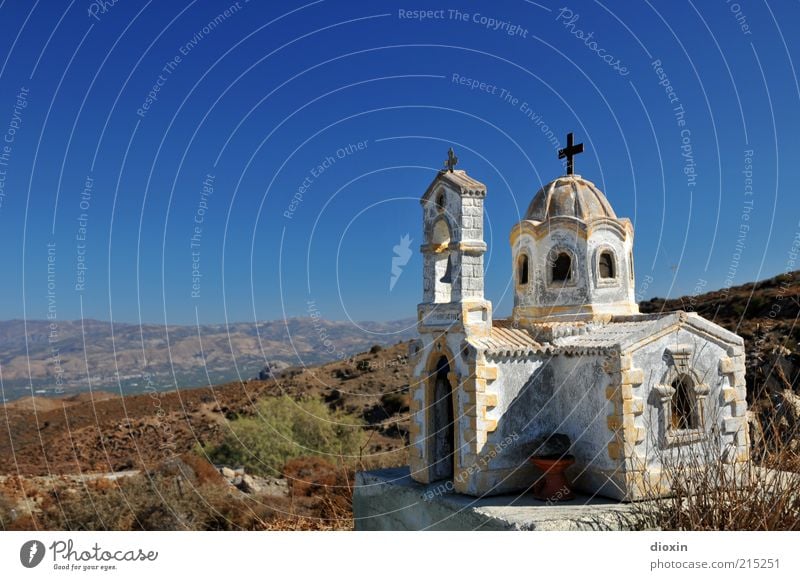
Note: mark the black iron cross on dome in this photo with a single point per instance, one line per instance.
(570, 151)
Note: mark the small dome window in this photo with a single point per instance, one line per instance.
(606, 267)
(562, 268)
(522, 270)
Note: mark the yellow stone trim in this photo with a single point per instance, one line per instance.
(534, 314)
(615, 364)
(634, 434)
(452, 377)
(634, 406)
(726, 366)
(620, 449)
(622, 423)
(625, 391)
(539, 230)
(616, 423)
(632, 376)
(728, 395)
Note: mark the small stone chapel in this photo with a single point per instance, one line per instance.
(635, 393)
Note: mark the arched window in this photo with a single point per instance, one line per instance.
(562, 268)
(440, 201)
(522, 270)
(684, 413)
(606, 267)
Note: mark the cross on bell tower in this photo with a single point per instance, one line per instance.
(569, 152)
(452, 160)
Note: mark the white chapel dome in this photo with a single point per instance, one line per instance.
(569, 196)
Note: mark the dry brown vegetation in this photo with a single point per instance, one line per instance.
(762, 495)
(102, 434)
(719, 497)
(185, 493)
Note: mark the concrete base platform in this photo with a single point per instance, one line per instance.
(388, 499)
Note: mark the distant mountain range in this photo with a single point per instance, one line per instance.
(74, 355)
(764, 313)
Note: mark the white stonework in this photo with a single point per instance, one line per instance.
(636, 394)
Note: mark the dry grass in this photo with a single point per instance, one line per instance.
(761, 495)
(185, 493)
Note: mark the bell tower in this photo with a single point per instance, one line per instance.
(452, 213)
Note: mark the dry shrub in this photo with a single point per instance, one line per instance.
(181, 494)
(184, 493)
(7, 512)
(205, 472)
(761, 495)
(309, 476)
(396, 402)
(327, 487)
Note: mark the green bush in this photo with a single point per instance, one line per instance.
(283, 429)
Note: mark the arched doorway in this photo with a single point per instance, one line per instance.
(442, 433)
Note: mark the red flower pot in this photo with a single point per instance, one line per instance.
(552, 486)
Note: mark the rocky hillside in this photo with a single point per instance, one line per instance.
(100, 432)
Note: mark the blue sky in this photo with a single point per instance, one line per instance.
(178, 112)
